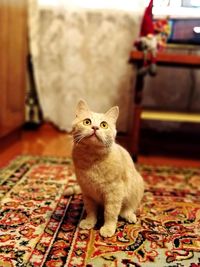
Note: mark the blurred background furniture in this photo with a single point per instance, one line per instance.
(13, 53)
(171, 60)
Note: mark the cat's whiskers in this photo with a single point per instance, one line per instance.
(78, 137)
(77, 134)
(107, 142)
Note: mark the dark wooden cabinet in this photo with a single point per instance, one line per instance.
(13, 56)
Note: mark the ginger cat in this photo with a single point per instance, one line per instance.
(104, 170)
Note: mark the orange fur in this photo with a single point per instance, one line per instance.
(104, 170)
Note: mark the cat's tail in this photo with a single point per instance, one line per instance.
(73, 190)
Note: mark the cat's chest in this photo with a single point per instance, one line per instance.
(97, 174)
(94, 175)
(95, 181)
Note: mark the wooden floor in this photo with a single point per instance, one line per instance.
(48, 140)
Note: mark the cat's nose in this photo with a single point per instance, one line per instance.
(95, 128)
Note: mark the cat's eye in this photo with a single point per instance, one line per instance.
(87, 122)
(104, 125)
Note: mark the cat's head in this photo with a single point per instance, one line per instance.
(94, 128)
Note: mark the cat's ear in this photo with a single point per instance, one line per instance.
(81, 107)
(113, 114)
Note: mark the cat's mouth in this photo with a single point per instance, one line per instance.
(91, 137)
(94, 135)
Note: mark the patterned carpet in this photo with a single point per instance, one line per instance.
(38, 223)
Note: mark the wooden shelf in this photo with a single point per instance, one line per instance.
(168, 59)
(170, 116)
(172, 59)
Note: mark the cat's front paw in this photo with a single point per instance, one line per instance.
(71, 190)
(107, 230)
(87, 224)
(129, 216)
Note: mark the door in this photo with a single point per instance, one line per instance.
(13, 55)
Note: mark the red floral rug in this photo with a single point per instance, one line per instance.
(39, 224)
